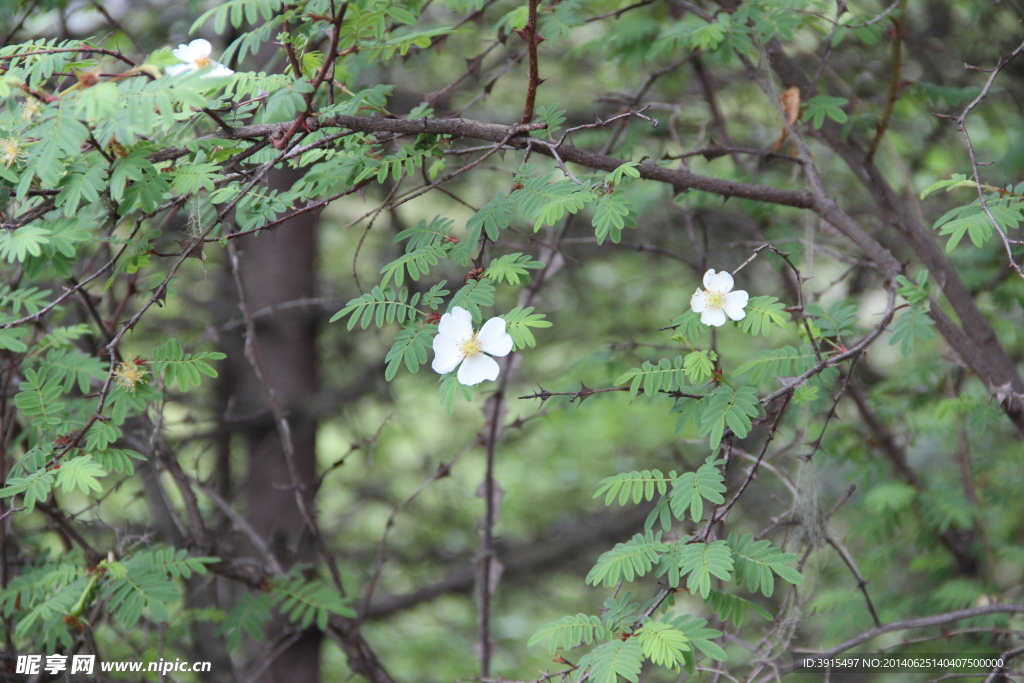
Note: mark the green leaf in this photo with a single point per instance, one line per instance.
(437, 232)
(412, 264)
(518, 322)
(620, 613)
(135, 586)
(628, 168)
(628, 560)
(699, 562)
(667, 375)
(17, 245)
(410, 347)
(304, 602)
(733, 608)
(693, 628)
(181, 369)
(38, 397)
(757, 561)
(607, 662)
(688, 328)
(663, 644)
(34, 487)
(552, 116)
(726, 407)
(699, 366)
(912, 324)
(60, 137)
(450, 388)
(570, 631)
(690, 490)
(74, 368)
(384, 306)
(491, 219)
(612, 214)
(974, 222)
(81, 473)
(82, 181)
(511, 268)
(762, 313)
(639, 486)
(547, 203)
(474, 295)
(783, 362)
(916, 294)
(116, 459)
(249, 616)
(821, 106)
(190, 177)
(838, 320)
(957, 180)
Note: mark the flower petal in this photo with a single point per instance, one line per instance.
(699, 301)
(219, 70)
(447, 355)
(179, 69)
(477, 368)
(718, 282)
(198, 48)
(183, 53)
(713, 316)
(493, 338)
(734, 303)
(456, 324)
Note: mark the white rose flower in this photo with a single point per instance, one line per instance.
(196, 56)
(456, 343)
(718, 300)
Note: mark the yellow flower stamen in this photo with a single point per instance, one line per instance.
(129, 374)
(31, 108)
(715, 299)
(471, 346)
(202, 62)
(10, 151)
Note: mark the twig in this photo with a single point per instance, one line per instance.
(899, 26)
(529, 34)
(961, 126)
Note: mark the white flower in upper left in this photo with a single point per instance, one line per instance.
(718, 300)
(456, 343)
(196, 55)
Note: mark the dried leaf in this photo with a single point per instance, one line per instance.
(791, 105)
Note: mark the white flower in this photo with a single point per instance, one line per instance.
(196, 55)
(718, 300)
(457, 343)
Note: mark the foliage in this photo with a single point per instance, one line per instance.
(173, 244)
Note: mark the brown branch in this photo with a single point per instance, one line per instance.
(680, 180)
(899, 28)
(975, 341)
(529, 34)
(116, 54)
(1003, 61)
